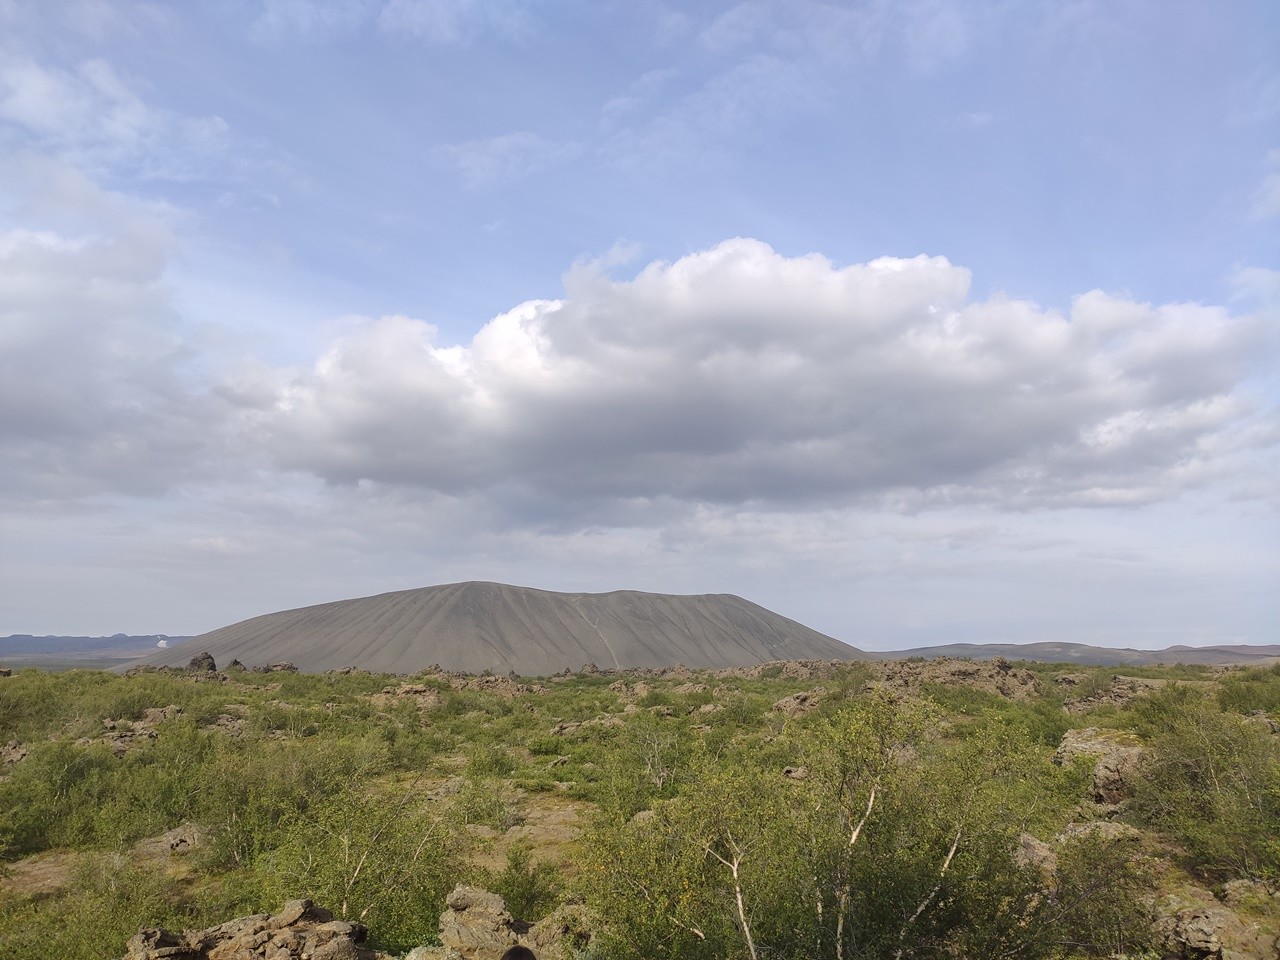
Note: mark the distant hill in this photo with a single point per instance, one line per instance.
(480, 626)
(1083, 653)
(27, 645)
(89, 653)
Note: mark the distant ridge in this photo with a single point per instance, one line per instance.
(478, 626)
(25, 644)
(1222, 656)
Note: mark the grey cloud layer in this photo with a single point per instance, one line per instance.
(93, 396)
(738, 375)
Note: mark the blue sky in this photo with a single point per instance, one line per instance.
(916, 321)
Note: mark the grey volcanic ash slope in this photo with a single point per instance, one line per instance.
(474, 627)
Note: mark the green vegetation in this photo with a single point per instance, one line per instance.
(1213, 785)
(901, 830)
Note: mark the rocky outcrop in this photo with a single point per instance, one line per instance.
(505, 687)
(427, 696)
(1194, 926)
(1124, 690)
(790, 669)
(11, 753)
(202, 663)
(1118, 760)
(1107, 830)
(300, 931)
(565, 727)
(996, 676)
(1033, 853)
(564, 934)
(1115, 774)
(801, 703)
(1247, 893)
(1264, 720)
(181, 840)
(684, 688)
(476, 925)
(227, 724)
(121, 736)
(421, 695)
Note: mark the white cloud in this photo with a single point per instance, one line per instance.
(90, 116)
(1266, 199)
(737, 376)
(977, 120)
(442, 22)
(311, 18)
(455, 21)
(739, 26)
(778, 60)
(95, 19)
(638, 94)
(935, 32)
(92, 393)
(1259, 100)
(501, 159)
(730, 105)
(1256, 284)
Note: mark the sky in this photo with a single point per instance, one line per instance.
(917, 321)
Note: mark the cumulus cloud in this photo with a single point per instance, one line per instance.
(738, 375)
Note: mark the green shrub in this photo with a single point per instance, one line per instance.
(383, 860)
(490, 760)
(545, 746)
(1253, 690)
(1213, 783)
(531, 889)
(250, 789)
(109, 899)
(897, 842)
(1101, 904)
(485, 802)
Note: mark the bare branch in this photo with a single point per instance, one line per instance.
(733, 866)
(924, 904)
(842, 894)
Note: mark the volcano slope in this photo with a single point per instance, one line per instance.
(476, 626)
